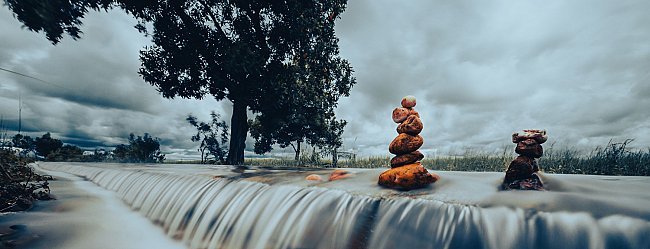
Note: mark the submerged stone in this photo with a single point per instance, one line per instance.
(339, 174)
(313, 177)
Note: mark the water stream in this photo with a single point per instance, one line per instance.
(206, 212)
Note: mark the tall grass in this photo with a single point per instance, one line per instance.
(611, 159)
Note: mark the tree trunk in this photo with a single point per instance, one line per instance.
(238, 133)
(297, 158)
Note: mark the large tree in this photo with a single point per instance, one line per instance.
(233, 50)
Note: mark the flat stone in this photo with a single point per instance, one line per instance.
(407, 177)
(406, 159)
(405, 143)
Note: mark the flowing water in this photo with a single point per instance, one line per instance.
(204, 211)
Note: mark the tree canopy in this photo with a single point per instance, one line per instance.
(141, 149)
(252, 53)
(45, 144)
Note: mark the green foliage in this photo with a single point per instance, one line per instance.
(67, 153)
(23, 142)
(253, 53)
(213, 137)
(141, 149)
(46, 144)
(612, 159)
(19, 185)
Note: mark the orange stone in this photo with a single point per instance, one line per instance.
(406, 159)
(412, 126)
(400, 114)
(313, 177)
(407, 177)
(339, 174)
(405, 143)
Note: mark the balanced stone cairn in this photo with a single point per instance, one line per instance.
(522, 172)
(406, 171)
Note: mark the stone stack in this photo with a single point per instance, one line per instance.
(522, 172)
(406, 171)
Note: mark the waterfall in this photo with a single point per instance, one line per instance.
(222, 213)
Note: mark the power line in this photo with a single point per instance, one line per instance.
(31, 77)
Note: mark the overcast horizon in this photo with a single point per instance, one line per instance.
(480, 70)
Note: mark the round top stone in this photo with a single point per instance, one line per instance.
(408, 101)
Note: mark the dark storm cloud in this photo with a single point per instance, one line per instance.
(479, 69)
(93, 96)
(98, 70)
(482, 70)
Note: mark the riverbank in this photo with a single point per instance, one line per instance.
(82, 216)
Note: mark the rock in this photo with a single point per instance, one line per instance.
(412, 126)
(405, 143)
(531, 183)
(538, 135)
(522, 172)
(529, 148)
(407, 177)
(313, 177)
(521, 168)
(408, 101)
(406, 159)
(413, 112)
(339, 174)
(400, 114)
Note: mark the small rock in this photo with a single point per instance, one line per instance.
(538, 135)
(313, 177)
(339, 174)
(531, 183)
(530, 148)
(412, 126)
(406, 159)
(408, 101)
(400, 114)
(405, 143)
(521, 168)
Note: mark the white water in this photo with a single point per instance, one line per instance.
(204, 212)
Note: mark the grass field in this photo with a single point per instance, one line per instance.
(611, 159)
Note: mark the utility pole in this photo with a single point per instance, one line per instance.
(20, 112)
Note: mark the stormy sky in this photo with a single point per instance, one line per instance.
(479, 69)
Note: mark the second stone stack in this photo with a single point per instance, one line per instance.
(406, 170)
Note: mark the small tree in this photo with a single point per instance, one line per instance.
(23, 142)
(121, 153)
(141, 149)
(66, 153)
(46, 144)
(213, 137)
